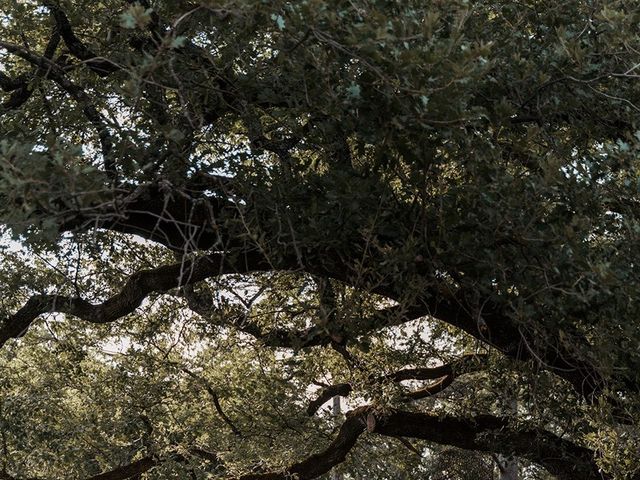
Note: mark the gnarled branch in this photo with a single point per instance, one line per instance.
(320, 463)
(130, 470)
(484, 433)
(487, 433)
(100, 66)
(444, 374)
(132, 294)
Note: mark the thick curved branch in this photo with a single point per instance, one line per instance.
(493, 434)
(100, 66)
(132, 294)
(497, 329)
(326, 394)
(484, 433)
(155, 215)
(492, 326)
(431, 389)
(20, 87)
(182, 220)
(466, 364)
(444, 374)
(17, 98)
(145, 216)
(486, 320)
(320, 463)
(131, 470)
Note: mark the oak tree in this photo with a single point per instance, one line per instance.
(219, 215)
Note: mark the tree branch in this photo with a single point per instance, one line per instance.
(320, 463)
(20, 86)
(431, 389)
(214, 397)
(185, 223)
(132, 294)
(445, 374)
(326, 394)
(492, 326)
(484, 433)
(53, 71)
(182, 220)
(147, 212)
(128, 471)
(466, 364)
(100, 66)
(493, 434)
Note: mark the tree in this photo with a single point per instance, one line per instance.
(217, 216)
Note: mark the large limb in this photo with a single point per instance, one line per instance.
(496, 328)
(182, 218)
(99, 65)
(481, 433)
(484, 433)
(161, 217)
(20, 87)
(185, 220)
(493, 326)
(444, 374)
(487, 433)
(181, 222)
(132, 294)
(320, 463)
(489, 323)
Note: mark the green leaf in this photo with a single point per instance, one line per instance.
(353, 91)
(279, 21)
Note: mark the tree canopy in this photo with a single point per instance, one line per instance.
(218, 215)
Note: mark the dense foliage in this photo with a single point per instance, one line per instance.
(218, 215)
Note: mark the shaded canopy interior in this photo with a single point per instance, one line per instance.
(255, 207)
